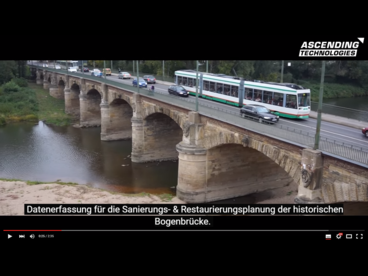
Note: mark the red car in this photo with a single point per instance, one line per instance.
(365, 131)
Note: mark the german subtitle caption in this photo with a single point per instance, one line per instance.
(182, 209)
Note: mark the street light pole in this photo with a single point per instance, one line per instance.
(137, 76)
(163, 70)
(104, 69)
(282, 71)
(198, 64)
(82, 67)
(206, 66)
(133, 68)
(316, 143)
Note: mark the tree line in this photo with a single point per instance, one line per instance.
(352, 72)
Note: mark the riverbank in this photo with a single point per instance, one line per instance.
(14, 194)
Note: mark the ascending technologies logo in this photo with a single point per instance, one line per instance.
(335, 48)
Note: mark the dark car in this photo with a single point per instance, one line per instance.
(149, 79)
(259, 112)
(178, 90)
(365, 131)
(85, 69)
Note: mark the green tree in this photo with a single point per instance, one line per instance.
(8, 69)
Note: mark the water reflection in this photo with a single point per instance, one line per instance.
(49, 153)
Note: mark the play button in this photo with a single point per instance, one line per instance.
(9, 236)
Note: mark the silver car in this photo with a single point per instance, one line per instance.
(124, 75)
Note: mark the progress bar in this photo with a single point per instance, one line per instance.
(187, 230)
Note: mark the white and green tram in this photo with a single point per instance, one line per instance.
(284, 99)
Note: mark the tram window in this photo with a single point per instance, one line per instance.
(278, 99)
(206, 85)
(234, 91)
(184, 81)
(267, 97)
(212, 86)
(250, 95)
(190, 82)
(180, 80)
(220, 88)
(304, 99)
(194, 82)
(247, 91)
(291, 101)
(257, 95)
(226, 89)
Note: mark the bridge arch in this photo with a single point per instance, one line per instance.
(72, 102)
(290, 163)
(116, 121)
(174, 115)
(234, 170)
(90, 110)
(161, 134)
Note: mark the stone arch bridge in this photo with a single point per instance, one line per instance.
(217, 160)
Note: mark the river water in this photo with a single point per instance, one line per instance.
(353, 108)
(48, 153)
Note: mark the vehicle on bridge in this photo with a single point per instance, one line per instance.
(178, 90)
(142, 82)
(124, 75)
(283, 99)
(72, 69)
(57, 66)
(149, 79)
(85, 69)
(68, 63)
(258, 112)
(107, 71)
(96, 73)
(365, 131)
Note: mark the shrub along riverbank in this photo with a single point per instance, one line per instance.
(23, 101)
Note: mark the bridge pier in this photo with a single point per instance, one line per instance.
(38, 79)
(192, 186)
(46, 84)
(310, 186)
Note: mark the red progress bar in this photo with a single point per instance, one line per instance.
(33, 230)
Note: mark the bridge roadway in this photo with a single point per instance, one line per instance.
(332, 132)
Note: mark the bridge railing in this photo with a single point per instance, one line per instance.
(287, 134)
(355, 114)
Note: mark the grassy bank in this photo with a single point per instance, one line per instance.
(23, 101)
(333, 90)
(51, 110)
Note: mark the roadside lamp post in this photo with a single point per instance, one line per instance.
(318, 130)
(133, 68)
(206, 66)
(282, 71)
(138, 76)
(82, 68)
(104, 68)
(198, 64)
(163, 70)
